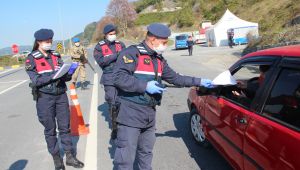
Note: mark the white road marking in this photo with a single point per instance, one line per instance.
(6, 90)
(91, 144)
(2, 72)
(5, 82)
(11, 69)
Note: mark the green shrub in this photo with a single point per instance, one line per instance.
(9, 61)
(143, 4)
(185, 18)
(148, 18)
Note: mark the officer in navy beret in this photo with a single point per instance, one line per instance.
(138, 77)
(106, 53)
(43, 34)
(51, 99)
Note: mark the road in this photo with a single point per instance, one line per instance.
(22, 143)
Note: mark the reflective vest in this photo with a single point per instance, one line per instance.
(106, 51)
(145, 70)
(43, 67)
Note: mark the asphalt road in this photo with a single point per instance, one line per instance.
(22, 144)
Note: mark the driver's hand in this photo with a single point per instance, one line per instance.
(239, 94)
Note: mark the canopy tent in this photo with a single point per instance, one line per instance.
(217, 34)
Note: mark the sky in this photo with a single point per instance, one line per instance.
(21, 18)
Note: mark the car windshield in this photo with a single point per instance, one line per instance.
(181, 38)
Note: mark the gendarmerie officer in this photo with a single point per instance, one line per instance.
(230, 35)
(138, 75)
(51, 99)
(106, 54)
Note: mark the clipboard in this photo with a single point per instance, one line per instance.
(62, 71)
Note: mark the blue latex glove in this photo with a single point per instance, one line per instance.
(152, 88)
(206, 83)
(73, 67)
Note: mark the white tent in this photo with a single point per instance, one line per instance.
(217, 34)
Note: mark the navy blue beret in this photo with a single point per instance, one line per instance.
(43, 34)
(109, 28)
(159, 30)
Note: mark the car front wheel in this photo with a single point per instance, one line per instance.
(196, 128)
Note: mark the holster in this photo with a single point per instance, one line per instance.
(114, 111)
(34, 91)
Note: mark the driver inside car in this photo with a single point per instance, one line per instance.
(248, 88)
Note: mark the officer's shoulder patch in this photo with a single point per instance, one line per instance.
(36, 54)
(102, 42)
(127, 60)
(142, 49)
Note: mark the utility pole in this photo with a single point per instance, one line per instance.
(61, 25)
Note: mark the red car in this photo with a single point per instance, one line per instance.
(256, 123)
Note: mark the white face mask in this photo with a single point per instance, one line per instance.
(111, 38)
(77, 44)
(160, 49)
(46, 46)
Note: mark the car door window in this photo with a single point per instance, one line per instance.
(283, 103)
(250, 78)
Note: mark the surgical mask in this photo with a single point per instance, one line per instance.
(111, 38)
(160, 49)
(77, 44)
(46, 46)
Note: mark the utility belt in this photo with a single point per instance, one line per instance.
(54, 88)
(145, 99)
(109, 68)
(75, 60)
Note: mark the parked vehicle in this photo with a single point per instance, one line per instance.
(202, 37)
(256, 123)
(181, 41)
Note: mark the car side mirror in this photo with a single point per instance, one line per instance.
(203, 91)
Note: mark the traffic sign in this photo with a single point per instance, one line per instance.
(59, 46)
(15, 48)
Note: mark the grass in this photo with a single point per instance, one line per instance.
(9, 61)
(148, 18)
(170, 42)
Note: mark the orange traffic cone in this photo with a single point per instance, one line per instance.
(77, 124)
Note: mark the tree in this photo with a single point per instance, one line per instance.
(123, 13)
(98, 34)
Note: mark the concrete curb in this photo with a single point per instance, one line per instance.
(15, 66)
(10, 67)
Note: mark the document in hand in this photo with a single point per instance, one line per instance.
(62, 71)
(224, 78)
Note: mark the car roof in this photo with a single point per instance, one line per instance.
(285, 51)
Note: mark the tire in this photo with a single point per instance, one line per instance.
(196, 128)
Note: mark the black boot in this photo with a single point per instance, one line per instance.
(71, 160)
(82, 86)
(58, 162)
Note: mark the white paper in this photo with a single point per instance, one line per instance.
(62, 71)
(224, 78)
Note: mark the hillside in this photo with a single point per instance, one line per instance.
(278, 20)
